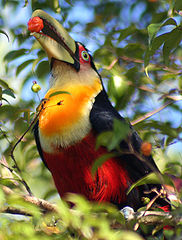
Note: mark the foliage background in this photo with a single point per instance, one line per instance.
(137, 49)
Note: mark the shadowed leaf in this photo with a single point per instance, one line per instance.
(57, 93)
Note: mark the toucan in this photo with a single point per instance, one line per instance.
(74, 112)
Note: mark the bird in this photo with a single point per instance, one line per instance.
(75, 111)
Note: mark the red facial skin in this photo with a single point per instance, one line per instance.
(82, 53)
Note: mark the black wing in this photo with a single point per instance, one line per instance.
(37, 140)
(101, 118)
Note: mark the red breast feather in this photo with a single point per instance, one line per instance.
(71, 170)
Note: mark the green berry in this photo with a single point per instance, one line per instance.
(36, 88)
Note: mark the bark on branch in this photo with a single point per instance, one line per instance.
(155, 218)
(44, 205)
(146, 217)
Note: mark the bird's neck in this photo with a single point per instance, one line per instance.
(64, 119)
(64, 75)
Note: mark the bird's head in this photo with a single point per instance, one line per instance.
(66, 56)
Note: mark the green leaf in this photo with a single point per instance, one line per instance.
(152, 30)
(170, 21)
(58, 92)
(9, 112)
(158, 41)
(3, 32)
(151, 178)
(3, 83)
(19, 203)
(1, 92)
(69, 2)
(134, 50)
(26, 3)
(155, 27)
(112, 139)
(5, 100)
(178, 5)
(2, 197)
(170, 40)
(101, 160)
(120, 132)
(8, 182)
(20, 126)
(8, 92)
(23, 65)
(171, 43)
(42, 69)
(147, 59)
(126, 32)
(128, 235)
(104, 139)
(12, 55)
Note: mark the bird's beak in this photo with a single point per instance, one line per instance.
(53, 37)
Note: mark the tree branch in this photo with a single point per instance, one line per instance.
(39, 109)
(44, 205)
(150, 114)
(145, 217)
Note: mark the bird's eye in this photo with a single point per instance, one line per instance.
(85, 55)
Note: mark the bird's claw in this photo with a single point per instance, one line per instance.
(128, 212)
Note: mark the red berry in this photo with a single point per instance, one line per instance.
(146, 148)
(35, 24)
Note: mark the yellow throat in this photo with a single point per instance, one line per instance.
(64, 119)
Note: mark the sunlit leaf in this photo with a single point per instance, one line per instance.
(2, 197)
(151, 178)
(3, 32)
(3, 83)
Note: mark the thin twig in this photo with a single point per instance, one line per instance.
(112, 64)
(149, 205)
(150, 114)
(172, 99)
(19, 140)
(135, 60)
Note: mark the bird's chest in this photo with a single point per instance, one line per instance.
(71, 170)
(64, 119)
